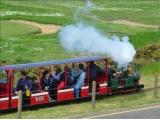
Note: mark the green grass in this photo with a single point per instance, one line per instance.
(150, 69)
(10, 29)
(110, 103)
(30, 48)
(143, 38)
(145, 11)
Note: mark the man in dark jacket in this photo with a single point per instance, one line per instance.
(49, 84)
(94, 71)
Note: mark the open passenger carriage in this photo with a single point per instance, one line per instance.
(8, 77)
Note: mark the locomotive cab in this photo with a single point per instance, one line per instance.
(125, 79)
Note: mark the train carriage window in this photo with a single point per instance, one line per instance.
(3, 77)
(3, 84)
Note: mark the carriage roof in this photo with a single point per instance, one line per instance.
(55, 62)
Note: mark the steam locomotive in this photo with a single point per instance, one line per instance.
(106, 83)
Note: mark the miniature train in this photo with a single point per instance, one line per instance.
(106, 84)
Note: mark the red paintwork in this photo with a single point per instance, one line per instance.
(102, 90)
(101, 80)
(41, 99)
(62, 96)
(87, 74)
(14, 103)
(39, 77)
(84, 92)
(3, 90)
(4, 105)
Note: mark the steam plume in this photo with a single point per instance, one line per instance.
(84, 10)
(86, 38)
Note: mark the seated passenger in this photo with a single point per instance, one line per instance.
(69, 81)
(48, 84)
(69, 77)
(80, 81)
(58, 76)
(75, 73)
(45, 80)
(24, 84)
(34, 85)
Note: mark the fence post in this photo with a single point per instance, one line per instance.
(19, 104)
(93, 93)
(155, 86)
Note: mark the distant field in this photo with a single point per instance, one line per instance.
(61, 12)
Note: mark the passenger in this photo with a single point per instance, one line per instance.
(80, 81)
(59, 78)
(69, 77)
(48, 84)
(75, 73)
(45, 80)
(69, 80)
(59, 75)
(94, 70)
(24, 84)
(34, 85)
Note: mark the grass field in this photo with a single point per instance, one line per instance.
(9, 29)
(29, 48)
(19, 43)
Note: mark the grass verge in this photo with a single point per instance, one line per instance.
(114, 102)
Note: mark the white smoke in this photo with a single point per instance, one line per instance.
(86, 38)
(84, 10)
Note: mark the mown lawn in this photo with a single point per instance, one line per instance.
(10, 29)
